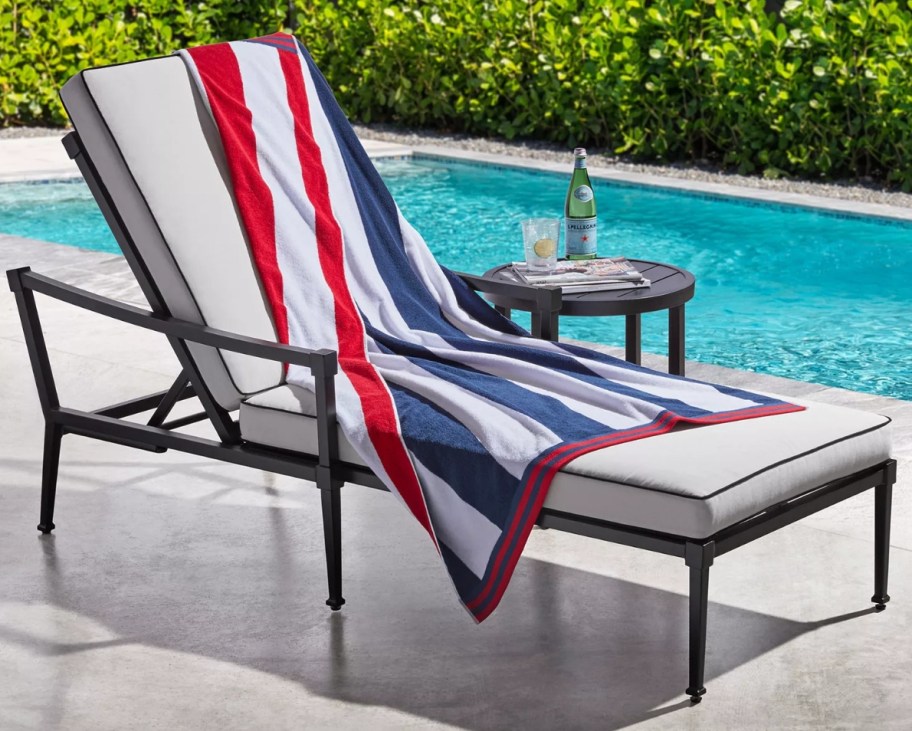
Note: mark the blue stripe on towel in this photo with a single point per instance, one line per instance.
(497, 388)
(425, 426)
(566, 423)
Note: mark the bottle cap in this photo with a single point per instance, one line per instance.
(580, 152)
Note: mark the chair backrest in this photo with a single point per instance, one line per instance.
(157, 152)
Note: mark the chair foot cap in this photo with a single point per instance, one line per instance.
(335, 604)
(696, 695)
(880, 602)
(46, 527)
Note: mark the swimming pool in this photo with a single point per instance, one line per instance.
(788, 291)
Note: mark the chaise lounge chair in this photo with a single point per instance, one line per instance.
(149, 152)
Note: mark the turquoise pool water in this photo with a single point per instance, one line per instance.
(786, 291)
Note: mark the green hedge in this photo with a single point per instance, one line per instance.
(44, 42)
(821, 89)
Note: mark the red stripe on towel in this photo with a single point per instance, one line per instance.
(221, 76)
(376, 403)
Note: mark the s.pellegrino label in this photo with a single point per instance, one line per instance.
(581, 227)
(581, 237)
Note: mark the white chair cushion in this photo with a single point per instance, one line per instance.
(158, 151)
(691, 482)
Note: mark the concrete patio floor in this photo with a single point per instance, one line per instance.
(180, 593)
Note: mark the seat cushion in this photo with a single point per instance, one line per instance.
(693, 481)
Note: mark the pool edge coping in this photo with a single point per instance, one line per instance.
(384, 149)
(44, 176)
(720, 190)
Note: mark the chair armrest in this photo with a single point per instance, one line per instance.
(321, 362)
(546, 299)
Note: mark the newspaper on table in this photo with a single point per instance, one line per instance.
(591, 275)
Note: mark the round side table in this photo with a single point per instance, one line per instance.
(671, 287)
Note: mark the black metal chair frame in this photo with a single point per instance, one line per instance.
(325, 469)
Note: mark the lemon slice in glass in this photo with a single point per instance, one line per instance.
(545, 248)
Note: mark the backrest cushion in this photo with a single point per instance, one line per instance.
(159, 154)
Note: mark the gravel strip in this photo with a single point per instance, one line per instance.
(866, 191)
(14, 133)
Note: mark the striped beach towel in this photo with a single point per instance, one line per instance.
(464, 417)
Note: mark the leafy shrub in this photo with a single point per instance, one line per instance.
(44, 42)
(822, 88)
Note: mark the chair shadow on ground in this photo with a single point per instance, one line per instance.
(567, 648)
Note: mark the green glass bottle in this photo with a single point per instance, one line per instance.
(581, 227)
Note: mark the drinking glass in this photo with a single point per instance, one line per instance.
(540, 237)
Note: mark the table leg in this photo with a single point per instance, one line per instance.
(505, 311)
(634, 339)
(545, 327)
(676, 340)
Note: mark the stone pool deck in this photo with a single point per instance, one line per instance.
(178, 592)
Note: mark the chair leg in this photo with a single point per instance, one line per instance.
(699, 557)
(883, 500)
(332, 536)
(53, 433)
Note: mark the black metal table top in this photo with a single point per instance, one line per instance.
(670, 287)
